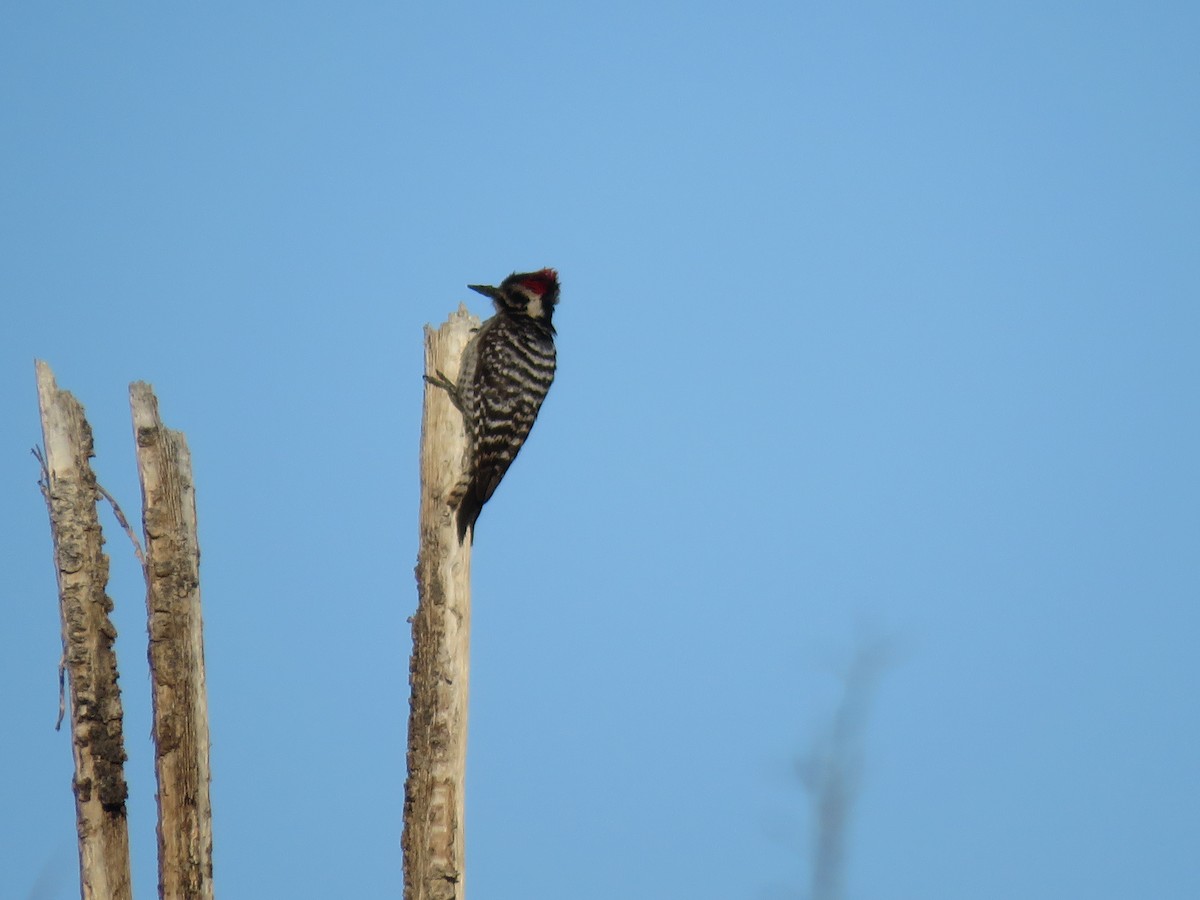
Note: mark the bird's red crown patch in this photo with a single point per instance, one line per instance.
(540, 282)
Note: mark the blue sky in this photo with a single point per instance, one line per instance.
(880, 322)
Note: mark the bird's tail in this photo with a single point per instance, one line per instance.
(468, 511)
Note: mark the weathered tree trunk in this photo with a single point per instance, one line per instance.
(437, 725)
(88, 635)
(176, 634)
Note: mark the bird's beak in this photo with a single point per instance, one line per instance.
(486, 289)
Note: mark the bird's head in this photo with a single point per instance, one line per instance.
(528, 294)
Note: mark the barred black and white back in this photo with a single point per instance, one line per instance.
(505, 374)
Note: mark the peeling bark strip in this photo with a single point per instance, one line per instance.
(176, 653)
(433, 839)
(88, 635)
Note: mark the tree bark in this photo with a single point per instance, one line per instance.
(175, 626)
(433, 841)
(97, 742)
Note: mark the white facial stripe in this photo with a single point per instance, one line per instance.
(533, 306)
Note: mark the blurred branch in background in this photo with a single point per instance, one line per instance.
(831, 771)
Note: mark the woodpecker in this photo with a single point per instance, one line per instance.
(505, 374)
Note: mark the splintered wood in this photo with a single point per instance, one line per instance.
(181, 739)
(433, 839)
(171, 564)
(97, 741)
